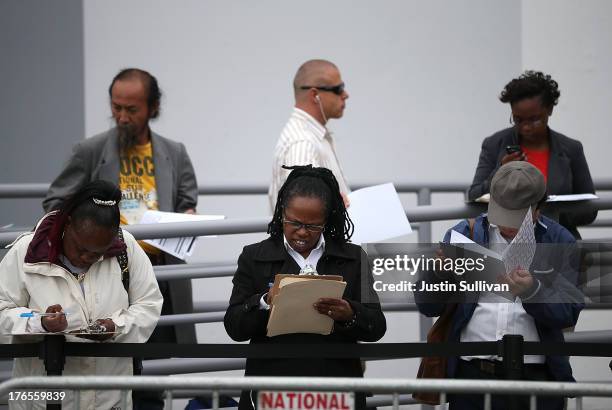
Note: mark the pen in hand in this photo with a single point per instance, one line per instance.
(38, 314)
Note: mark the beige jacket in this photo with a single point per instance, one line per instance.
(35, 286)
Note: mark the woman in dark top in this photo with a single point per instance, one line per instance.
(532, 97)
(309, 231)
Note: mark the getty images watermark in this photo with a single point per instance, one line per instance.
(436, 272)
(411, 266)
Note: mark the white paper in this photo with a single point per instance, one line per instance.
(520, 252)
(458, 238)
(177, 247)
(485, 199)
(572, 197)
(377, 214)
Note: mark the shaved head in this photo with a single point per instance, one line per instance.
(312, 73)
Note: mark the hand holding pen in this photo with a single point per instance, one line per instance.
(38, 314)
(54, 319)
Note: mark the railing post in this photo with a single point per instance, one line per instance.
(425, 323)
(53, 355)
(513, 363)
(424, 198)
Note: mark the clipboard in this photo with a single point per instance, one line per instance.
(292, 310)
(286, 278)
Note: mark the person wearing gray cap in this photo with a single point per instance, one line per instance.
(539, 305)
(515, 188)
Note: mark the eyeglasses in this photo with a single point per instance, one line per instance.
(298, 225)
(532, 122)
(336, 89)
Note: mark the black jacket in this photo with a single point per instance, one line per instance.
(257, 266)
(568, 171)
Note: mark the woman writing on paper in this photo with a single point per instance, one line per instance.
(66, 277)
(309, 234)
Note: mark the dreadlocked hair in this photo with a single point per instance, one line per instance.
(313, 182)
(98, 201)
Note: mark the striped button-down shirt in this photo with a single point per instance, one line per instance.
(304, 141)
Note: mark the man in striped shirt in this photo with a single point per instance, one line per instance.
(319, 97)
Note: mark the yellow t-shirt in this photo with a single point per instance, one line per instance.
(138, 189)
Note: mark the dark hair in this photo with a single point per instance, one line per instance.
(98, 201)
(308, 181)
(531, 84)
(154, 94)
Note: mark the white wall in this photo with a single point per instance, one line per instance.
(41, 102)
(419, 74)
(423, 79)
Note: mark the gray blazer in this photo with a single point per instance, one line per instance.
(568, 171)
(98, 158)
(177, 190)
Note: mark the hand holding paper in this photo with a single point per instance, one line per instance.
(519, 281)
(337, 309)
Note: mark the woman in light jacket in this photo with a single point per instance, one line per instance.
(69, 267)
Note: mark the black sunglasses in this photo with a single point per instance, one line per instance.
(336, 89)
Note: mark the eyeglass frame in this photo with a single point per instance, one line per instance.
(531, 122)
(309, 227)
(336, 89)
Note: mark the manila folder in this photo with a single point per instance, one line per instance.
(293, 311)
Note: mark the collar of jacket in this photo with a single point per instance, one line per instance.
(553, 140)
(558, 163)
(273, 249)
(482, 235)
(38, 250)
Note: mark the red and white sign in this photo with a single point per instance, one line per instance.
(305, 400)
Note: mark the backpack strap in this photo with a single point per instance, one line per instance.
(122, 258)
(472, 222)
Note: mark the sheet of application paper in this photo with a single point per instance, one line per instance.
(458, 238)
(519, 254)
(177, 247)
(378, 214)
(572, 197)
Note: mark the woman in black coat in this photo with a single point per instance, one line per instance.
(309, 231)
(561, 159)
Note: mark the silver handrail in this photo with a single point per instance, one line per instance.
(392, 386)
(424, 213)
(39, 190)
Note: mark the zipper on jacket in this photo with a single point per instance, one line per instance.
(75, 282)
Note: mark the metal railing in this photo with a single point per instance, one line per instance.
(39, 190)
(216, 385)
(424, 213)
